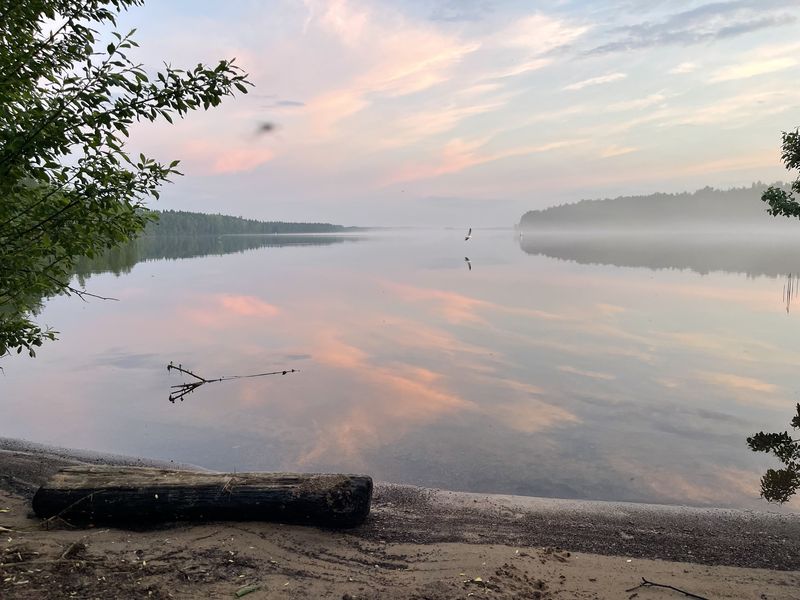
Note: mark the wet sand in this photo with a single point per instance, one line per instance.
(417, 543)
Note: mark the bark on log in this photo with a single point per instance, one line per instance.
(136, 495)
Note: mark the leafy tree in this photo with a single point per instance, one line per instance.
(68, 187)
(782, 202)
(179, 222)
(778, 485)
(708, 206)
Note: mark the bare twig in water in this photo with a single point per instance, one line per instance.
(82, 294)
(182, 389)
(646, 583)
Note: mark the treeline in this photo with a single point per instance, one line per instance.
(705, 208)
(752, 255)
(122, 259)
(180, 222)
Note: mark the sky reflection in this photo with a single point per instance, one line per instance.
(526, 375)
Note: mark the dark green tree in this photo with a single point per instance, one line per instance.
(778, 485)
(68, 187)
(782, 202)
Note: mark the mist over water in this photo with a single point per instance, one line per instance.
(752, 252)
(567, 366)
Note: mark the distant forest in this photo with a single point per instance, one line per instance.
(708, 208)
(122, 259)
(179, 222)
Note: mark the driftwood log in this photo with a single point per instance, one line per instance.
(139, 496)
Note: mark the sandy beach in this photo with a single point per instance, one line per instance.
(417, 543)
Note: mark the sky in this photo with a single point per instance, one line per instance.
(470, 112)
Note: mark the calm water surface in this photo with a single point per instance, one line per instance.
(579, 369)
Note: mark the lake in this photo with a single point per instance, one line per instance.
(585, 367)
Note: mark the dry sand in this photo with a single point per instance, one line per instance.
(417, 543)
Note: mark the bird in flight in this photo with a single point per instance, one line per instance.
(469, 264)
(265, 127)
(469, 234)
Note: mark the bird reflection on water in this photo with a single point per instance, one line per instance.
(790, 290)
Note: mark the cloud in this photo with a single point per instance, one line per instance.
(611, 77)
(737, 109)
(225, 156)
(328, 109)
(469, 109)
(344, 19)
(532, 415)
(712, 485)
(753, 68)
(224, 310)
(738, 382)
(706, 23)
(413, 396)
(458, 155)
(538, 37)
(247, 306)
(540, 34)
(424, 124)
(589, 374)
(684, 67)
(461, 10)
(519, 69)
(237, 160)
(393, 58)
(611, 151)
(456, 308)
(748, 390)
(638, 104)
(480, 89)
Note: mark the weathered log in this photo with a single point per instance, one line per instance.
(136, 495)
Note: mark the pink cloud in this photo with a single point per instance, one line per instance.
(236, 160)
(220, 310)
(458, 155)
(222, 156)
(392, 57)
(458, 308)
(455, 307)
(247, 306)
(410, 396)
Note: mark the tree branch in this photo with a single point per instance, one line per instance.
(58, 112)
(646, 583)
(82, 294)
(42, 43)
(182, 389)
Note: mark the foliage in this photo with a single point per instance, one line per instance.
(782, 202)
(179, 222)
(778, 485)
(708, 207)
(121, 259)
(68, 188)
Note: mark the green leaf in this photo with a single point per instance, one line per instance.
(75, 171)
